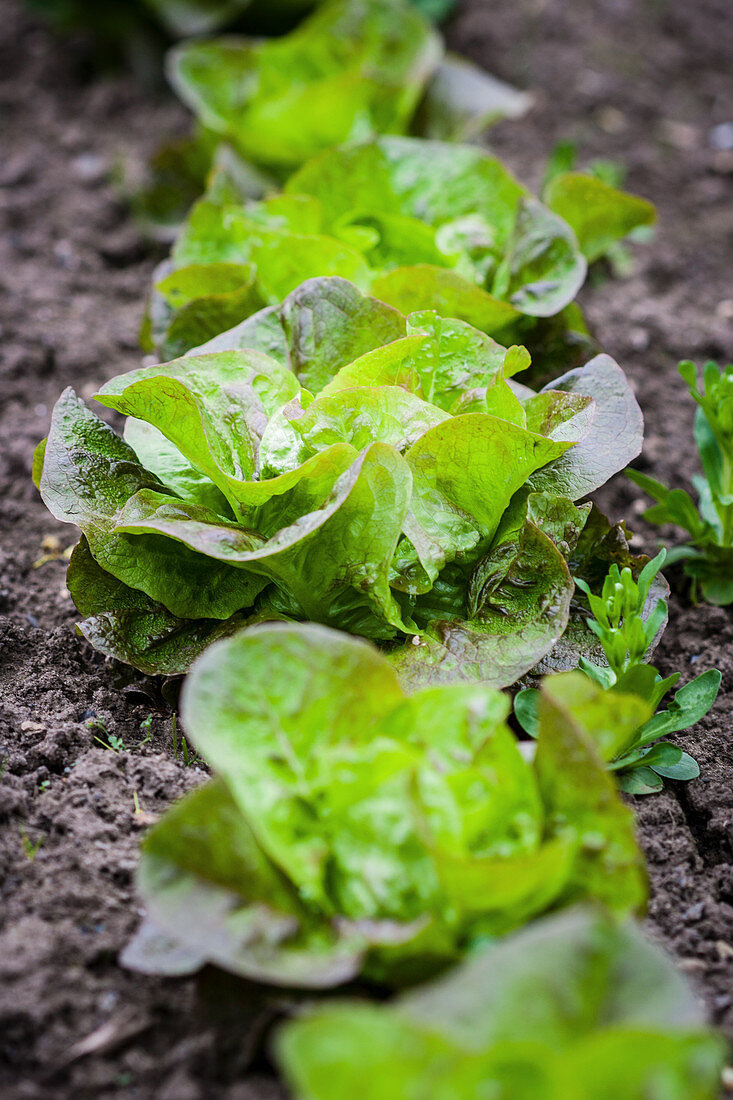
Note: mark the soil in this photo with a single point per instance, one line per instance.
(641, 82)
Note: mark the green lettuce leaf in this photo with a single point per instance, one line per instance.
(212, 408)
(599, 214)
(400, 829)
(339, 462)
(204, 300)
(461, 101)
(574, 725)
(511, 613)
(615, 432)
(571, 1008)
(350, 69)
(89, 474)
(457, 501)
(124, 623)
(479, 247)
(324, 325)
(425, 286)
(520, 252)
(345, 545)
(202, 860)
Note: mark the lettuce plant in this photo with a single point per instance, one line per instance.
(353, 68)
(333, 460)
(627, 628)
(571, 1008)
(422, 224)
(353, 829)
(708, 555)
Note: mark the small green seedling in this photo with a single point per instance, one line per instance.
(708, 553)
(146, 727)
(642, 761)
(564, 158)
(619, 622)
(30, 847)
(188, 757)
(107, 740)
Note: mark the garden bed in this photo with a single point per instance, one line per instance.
(643, 84)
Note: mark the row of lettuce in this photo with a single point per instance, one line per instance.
(338, 502)
(265, 110)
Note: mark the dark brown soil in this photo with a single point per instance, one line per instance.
(640, 81)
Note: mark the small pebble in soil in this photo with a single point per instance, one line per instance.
(611, 120)
(89, 167)
(721, 136)
(108, 1000)
(681, 135)
(639, 339)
